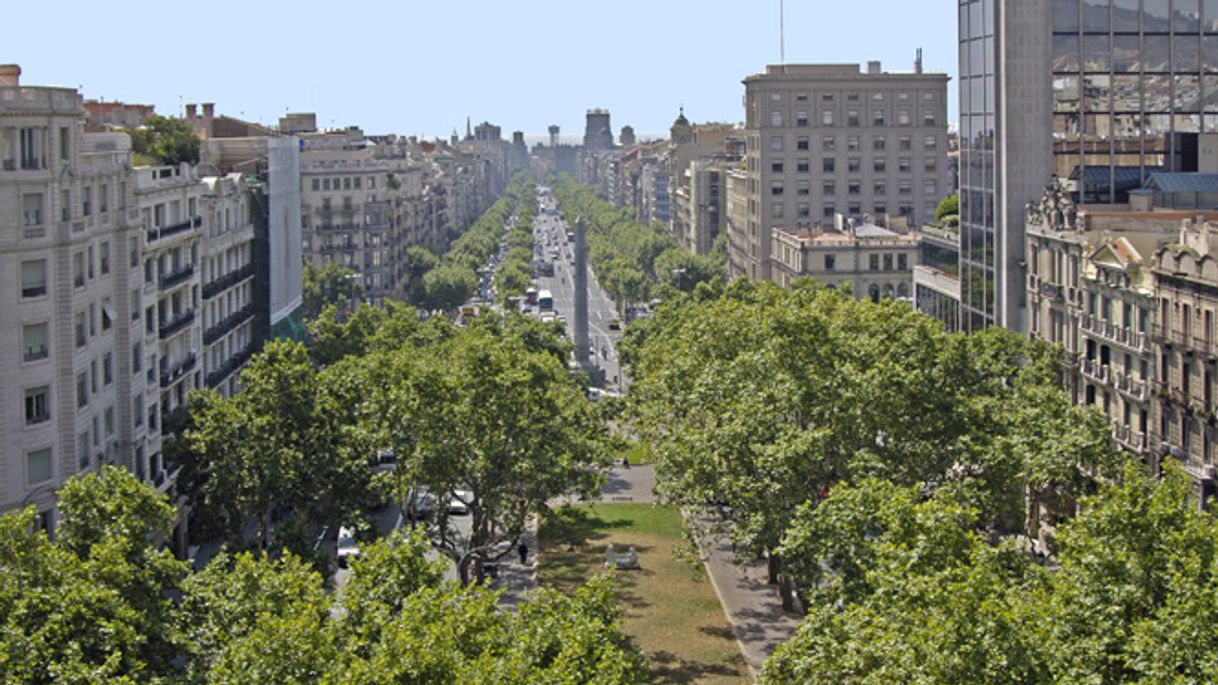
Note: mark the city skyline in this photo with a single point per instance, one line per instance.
(261, 73)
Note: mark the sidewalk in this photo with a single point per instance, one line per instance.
(753, 607)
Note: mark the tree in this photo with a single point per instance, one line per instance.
(449, 286)
(283, 442)
(419, 260)
(94, 604)
(948, 206)
(504, 422)
(329, 285)
(165, 140)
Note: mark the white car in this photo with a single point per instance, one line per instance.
(459, 502)
(347, 547)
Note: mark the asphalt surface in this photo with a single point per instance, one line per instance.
(551, 231)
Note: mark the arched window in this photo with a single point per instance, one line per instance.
(902, 290)
(874, 292)
(888, 291)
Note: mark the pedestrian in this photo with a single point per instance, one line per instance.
(523, 550)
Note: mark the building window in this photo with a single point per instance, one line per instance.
(79, 329)
(878, 143)
(852, 117)
(853, 144)
(776, 167)
(879, 165)
(928, 118)
(803, 210)
(34, 278)
(853, 165)
(801, 188)
(801, 119)
(930, 143)
(107, 314)
(801, 97)
(86, 201)
(854, 209)
(854, 187)
(828, 143)
(776, 188)
(34, 341)
(135, 358)
(33, 148)
(38, 466)
(801, 143)
(37, 405)
(902, 262)
(775, 118)
(78, 269)
(82, 390)
(802, 166)
(828, 165)
(904, 165)
(873, 262)
(137, 410)
(828, 188)
(777, 210)
(904, 187)
(903, 117)
(31, 209)
(82, 450)
(880, 209)
(776, 143)
(103, 252)
(904, 143)
(65, 205)
(65, 144)
(107, 368)
(877, 117)
(829, 210)
(826, 117)
(880, 187)
(930, 188)
(830, 262)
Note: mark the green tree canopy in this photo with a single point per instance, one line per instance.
(329, 285)
(165, 140)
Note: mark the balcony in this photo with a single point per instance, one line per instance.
(1166, 336)
(230, 322)
(335, 247)
(155, 234)
(1129, 439)
(170, 374)
(226, 369)
(176, 324)
(227, 281)
(178, 277)
(1093, 371)
(1132, 388)
(1124, 336)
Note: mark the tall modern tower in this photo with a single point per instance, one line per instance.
(553, 135)
(1101, 93)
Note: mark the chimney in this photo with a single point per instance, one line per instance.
(190, 111)
(10, 75)
(209, 110)
(918, 62)
(873, 67)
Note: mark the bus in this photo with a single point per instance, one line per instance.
(545, 301)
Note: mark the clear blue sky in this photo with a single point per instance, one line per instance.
(420, 67)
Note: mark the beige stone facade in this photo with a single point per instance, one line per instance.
(870, 261)
(827, 139)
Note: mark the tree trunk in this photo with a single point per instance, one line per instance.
(463, 570)
(785, 591)
(773, 566)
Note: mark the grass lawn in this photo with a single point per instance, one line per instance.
(670, 607)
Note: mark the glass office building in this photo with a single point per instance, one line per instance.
(1099, 92)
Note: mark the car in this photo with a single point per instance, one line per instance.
(348, 549)
(420, 504)
(615, 325)
(459, 502)
(526, 308)
(385, 460)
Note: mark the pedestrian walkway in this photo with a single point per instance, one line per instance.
(753, 607)
(516, 579)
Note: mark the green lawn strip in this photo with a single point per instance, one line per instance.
(670, 607)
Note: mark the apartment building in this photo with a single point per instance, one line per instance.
(1131, 292)
(867, 260)
(828, 139)
(70, 249)
(229, 314)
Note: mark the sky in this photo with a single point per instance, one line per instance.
(421, 67)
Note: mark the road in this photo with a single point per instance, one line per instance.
(550, 230)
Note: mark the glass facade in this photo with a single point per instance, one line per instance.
(977, 121)
(1133, 84)
(1134, 81)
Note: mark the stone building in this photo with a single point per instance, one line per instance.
(871, 261)
(828, 139)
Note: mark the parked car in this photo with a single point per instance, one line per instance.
(615, 325)
(385, 460)
(347, 547)
(420, 504)
(459, 502)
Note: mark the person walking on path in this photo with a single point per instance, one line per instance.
(523, 550)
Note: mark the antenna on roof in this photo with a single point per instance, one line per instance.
(782, 33)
